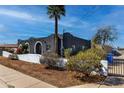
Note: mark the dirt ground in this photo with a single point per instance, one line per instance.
(52, 76)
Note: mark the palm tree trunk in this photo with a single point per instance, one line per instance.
(56, 34)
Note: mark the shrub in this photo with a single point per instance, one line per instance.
(23, 49)
(67, 53)
(13, 56)
(19, 51)
(86, 61)
(11, 50)
(98, 51)
(52, 60)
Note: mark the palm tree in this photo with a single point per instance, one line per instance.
(55, 12)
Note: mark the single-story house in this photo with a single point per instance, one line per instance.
(8, 46)
(44, 44)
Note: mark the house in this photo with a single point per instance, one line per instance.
(44, 44)
(8, 47)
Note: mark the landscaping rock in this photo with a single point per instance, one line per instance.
(54, 62)
(93, 73)
(104, 68)
(62, 63)
(13, 56)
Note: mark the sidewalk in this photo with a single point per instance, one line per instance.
(13, 78)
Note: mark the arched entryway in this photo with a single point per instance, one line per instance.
(38, 47)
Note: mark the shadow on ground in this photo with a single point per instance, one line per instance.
(113, 81)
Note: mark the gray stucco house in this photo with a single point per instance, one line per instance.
(44, 44)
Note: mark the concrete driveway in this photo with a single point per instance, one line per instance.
(15, 79)
(110, 82)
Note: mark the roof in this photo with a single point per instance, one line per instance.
(52, 35)
(8, 45)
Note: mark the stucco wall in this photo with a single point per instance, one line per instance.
(5, 54)
(33, 58)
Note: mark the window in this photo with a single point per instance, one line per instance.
(73, 46)
(83, 47)
(48, 47)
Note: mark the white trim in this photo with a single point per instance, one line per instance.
(41, 46)
(28, 46)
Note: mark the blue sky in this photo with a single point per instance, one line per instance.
(22, 22)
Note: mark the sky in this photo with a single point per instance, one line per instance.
(23, 22)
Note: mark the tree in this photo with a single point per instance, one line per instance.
(104, 35)
(55, 12)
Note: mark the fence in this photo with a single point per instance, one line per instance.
(116, 68)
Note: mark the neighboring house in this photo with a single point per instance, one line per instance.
(44, 44)
(8, 46)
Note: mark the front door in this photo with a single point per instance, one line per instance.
(38, 48)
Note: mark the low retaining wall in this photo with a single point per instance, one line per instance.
(33, 58)
(5, 54)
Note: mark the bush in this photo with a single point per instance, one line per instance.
(52, 60)
(49, 61)
(51, 54)
(86, 61)
(23, 49)
(19, 51)
(99, 52)
(13, 56)
(9, 50)
(67, 53)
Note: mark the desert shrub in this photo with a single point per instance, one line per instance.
(50, 59)
(98, 51)
(19, 51)
(53, 61)
(9, 50)
(86, 61)
(13, 56)
(51, 54)
(67, 53)
(23, 49)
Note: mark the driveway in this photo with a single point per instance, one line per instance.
(113, 82)
(110, 82)
(15, 79)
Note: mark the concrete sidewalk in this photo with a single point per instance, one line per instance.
(13, 78)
